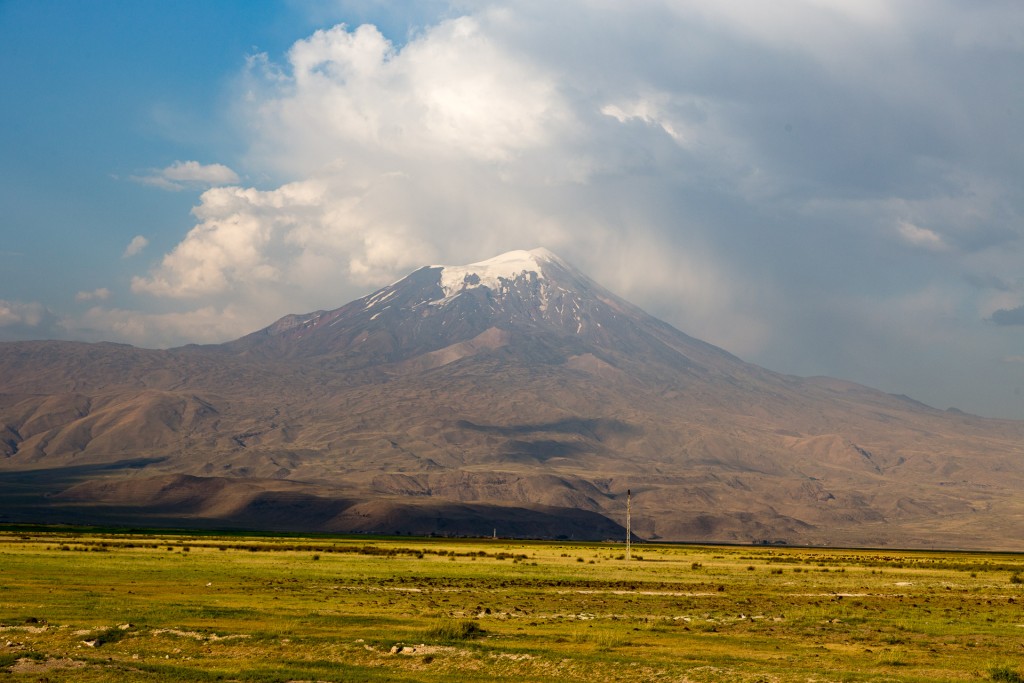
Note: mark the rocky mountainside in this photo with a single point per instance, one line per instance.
(514, 395)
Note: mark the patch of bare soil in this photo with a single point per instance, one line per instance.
(25, 629)
(32, 666)
(421, 649)
(199, 636)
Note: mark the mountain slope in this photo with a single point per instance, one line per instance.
(513, 384)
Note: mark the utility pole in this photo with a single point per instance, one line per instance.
(629, 511)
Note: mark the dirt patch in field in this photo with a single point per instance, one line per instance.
(25, 629)
(515, 657)
(421, 649)
(670, 594)
(212, 637)
(33, 666)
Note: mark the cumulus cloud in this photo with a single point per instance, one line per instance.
(101, 293)
(17, 313)
(298, 236)
(138, 243)
(189, 174)
(404, 152)
(351, 95)
(27, 320)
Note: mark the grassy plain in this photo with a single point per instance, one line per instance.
(143, 607)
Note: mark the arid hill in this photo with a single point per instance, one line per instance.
(513, 396)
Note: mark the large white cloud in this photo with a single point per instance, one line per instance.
(452, 147)
(403, 154)
(301, 236)
(350, 96)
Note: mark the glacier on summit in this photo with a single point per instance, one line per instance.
(495, 273)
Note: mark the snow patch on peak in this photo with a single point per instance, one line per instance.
(490, 273)
(543, 255)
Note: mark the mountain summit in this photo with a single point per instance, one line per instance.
(530, 301)
(435, 305)
(438, 305)
(513, 394)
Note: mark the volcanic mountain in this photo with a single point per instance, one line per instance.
(514, 396)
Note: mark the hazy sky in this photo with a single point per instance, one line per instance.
(819, 186)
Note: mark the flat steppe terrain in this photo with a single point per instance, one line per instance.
(98, 606)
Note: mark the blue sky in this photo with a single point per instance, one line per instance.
(96, 92)
(821, 187)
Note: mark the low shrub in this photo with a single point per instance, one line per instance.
(1005, 674)
(456, 630)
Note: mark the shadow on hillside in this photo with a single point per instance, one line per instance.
(26, 495)
(95, 495)
(596, 428)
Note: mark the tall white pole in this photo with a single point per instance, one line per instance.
(629, 521)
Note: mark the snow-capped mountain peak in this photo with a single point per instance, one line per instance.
(493, 272)
(524, 291)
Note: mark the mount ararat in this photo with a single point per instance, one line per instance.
(513, 395)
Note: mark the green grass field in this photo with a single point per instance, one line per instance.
(137, 607)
